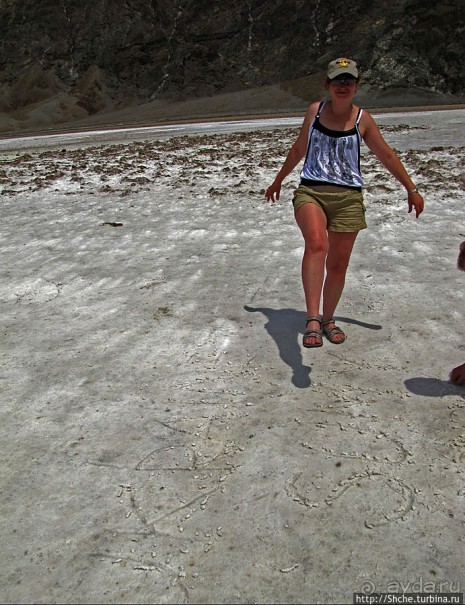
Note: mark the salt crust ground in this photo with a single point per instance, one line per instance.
(164, 436)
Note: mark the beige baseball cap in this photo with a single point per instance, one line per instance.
(342, 66)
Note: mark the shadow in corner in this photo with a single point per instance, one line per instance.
(433, 387)
(284, 326)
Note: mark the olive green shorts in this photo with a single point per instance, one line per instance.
(343, 207)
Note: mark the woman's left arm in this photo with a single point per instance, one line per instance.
(390, 160)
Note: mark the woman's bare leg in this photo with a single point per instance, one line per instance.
(337, 261)
(312, 222)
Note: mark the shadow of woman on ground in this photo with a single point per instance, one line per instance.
(433, 387)
(284, 326)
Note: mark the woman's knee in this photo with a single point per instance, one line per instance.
(337, 266)
(316, 245)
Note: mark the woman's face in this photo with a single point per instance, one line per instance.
(342, 87)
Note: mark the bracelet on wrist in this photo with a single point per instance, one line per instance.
(412, 191)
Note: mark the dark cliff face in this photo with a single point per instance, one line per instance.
(109, 52)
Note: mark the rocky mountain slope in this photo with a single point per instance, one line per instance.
(62, 61)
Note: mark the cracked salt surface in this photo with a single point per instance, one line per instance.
(164, 435)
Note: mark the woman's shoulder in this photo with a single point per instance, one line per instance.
(313, 108)
(366, 115)
(367, 123)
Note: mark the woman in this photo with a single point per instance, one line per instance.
(328, 204)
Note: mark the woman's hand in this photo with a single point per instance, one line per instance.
(457, 376)
(415, 200)
(273, 190)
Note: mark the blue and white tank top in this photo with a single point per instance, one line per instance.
(333, 156)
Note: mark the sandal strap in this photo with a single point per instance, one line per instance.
(313, 318)
(328, 321)
(332, 331)
(312, 334)
(317, 335)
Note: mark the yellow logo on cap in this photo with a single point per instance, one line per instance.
(343, 62)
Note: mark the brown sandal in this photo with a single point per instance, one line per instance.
(330, 333)
(316, 334)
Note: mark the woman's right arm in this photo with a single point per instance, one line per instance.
(296, 153)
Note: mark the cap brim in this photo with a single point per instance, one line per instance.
(344, 72)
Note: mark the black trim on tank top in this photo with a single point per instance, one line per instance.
(334, 133)
(312, 183)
